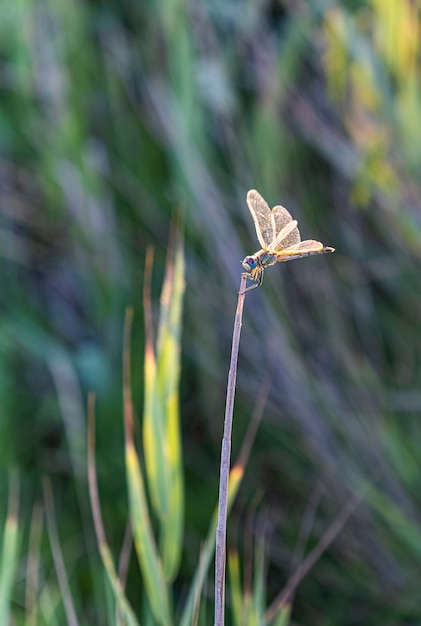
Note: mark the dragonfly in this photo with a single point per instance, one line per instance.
(279, 237)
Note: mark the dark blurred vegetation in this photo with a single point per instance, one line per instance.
(116, 116)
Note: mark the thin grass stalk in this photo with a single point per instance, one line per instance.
(236, 475)
(62, 577)
(123, 566)
(221, 530)
(197, 584)
(124, 559)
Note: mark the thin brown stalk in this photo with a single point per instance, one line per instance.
(126, 550)
(193, 602)
(92, 477)
(123, 566)
(127, 392)
(221, 531)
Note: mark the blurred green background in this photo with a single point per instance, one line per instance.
(116, 117)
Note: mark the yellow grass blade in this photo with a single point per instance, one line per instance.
(169, 337)
(154, 427)
(144, 541)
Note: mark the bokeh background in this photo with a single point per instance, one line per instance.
(115, 118)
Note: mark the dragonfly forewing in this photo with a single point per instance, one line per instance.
(263, 219)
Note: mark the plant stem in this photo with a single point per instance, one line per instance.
(221, 531)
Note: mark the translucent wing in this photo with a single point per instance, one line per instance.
(304, 248)
(277, 232)
(263, 218)
(282, 219)
(287, 237)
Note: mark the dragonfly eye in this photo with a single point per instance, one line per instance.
(249, 262)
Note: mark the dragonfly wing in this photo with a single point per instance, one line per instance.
(305, 248)
(282, 216)
(282, 219)
(263, 218)
(283, 238)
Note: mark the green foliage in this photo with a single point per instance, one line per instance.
(115, 116)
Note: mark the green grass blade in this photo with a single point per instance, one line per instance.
(144, 541)
(120, 597)
(283, 617)
(8, 561)
(258, 602)
(116, 586)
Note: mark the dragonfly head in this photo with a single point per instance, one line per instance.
(249, 263)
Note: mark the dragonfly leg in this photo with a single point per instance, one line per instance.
(258, 279)
(251, 287)
(241, 293)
